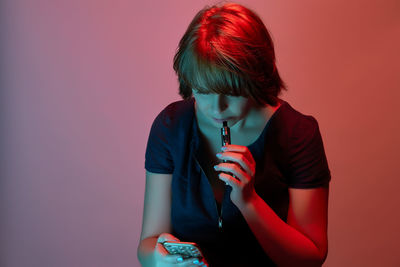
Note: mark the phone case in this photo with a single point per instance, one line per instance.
(186, 249)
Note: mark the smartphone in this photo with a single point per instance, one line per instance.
(186, 249)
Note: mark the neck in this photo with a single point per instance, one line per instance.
(256, 116)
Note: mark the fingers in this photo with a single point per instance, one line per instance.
(234, 169)
(162, 255)
(166, 237)
(239, 159)
(236, 148)
(240, 155)
(228, 180)
(161, 239)
(178, 260)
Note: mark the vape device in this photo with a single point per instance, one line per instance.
(225, 135)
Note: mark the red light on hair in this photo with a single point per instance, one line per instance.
(228, 50)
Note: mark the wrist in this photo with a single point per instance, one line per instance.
(249, 203)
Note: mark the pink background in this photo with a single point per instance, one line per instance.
(82, 81)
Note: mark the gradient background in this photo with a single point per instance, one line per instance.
(82, 81)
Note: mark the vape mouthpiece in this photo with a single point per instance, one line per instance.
(225, 124)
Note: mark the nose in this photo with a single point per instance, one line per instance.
(218, 105)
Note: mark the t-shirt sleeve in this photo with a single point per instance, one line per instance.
(308, 166)
(158, 158)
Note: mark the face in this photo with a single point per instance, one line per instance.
(215, 108)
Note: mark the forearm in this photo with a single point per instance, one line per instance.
(145, 251)
(284, 244)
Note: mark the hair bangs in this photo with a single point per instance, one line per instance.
(228, 50)
(209, 77)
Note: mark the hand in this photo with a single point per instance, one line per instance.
(163, 259)
(238, 172)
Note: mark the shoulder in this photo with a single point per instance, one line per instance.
(175, 110)
(174, 116)
(295, 123)
(304, 151)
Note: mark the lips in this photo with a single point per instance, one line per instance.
(221, 120)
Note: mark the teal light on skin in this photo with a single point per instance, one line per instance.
(241, 111)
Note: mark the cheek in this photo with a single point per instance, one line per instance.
(238, 107)
(201, 103)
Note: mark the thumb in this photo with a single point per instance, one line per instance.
(163, 238)
(166, 237)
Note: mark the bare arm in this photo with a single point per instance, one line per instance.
(156, 214)
(156, 226)
(302, 241)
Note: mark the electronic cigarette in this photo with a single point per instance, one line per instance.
(225, 135)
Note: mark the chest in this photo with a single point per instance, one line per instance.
(207, 151)
(210, 145)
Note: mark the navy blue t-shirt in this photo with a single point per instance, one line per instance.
(288, 153)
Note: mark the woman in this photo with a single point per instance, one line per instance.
(261, 201)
